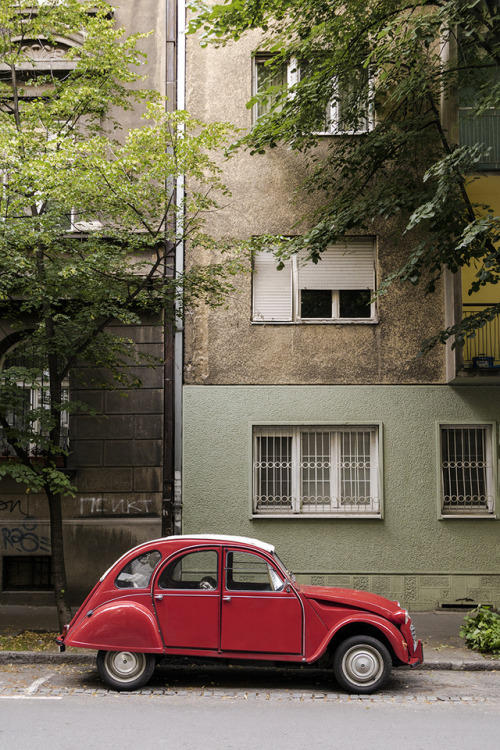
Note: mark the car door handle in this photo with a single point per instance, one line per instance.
(159, 597)
(226, 598)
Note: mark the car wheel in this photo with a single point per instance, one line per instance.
(362, 664)
(125, 670)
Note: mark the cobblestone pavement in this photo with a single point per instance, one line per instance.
(55, 682)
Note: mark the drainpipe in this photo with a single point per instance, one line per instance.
(174, 337)
(179, 269)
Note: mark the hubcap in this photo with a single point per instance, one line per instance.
(362, 664)
(125, 666)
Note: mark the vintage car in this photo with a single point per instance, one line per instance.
(231, 597)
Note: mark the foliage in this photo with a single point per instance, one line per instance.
(418, 55)
(90, 221)
(29, 640)
(481, 630)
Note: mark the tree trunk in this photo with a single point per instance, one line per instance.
(58, 563)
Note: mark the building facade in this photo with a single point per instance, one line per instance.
(121, 455)
(309, 420)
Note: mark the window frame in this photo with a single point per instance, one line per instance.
(295, 429)
(491, 479)
(36, 401)
(295, 295)
(291, 76)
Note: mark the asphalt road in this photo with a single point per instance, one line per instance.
(66, 706)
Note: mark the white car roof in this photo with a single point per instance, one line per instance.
(226, 538)
(210, 537)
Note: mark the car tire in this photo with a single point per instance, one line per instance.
(125, 670)
(362, 664)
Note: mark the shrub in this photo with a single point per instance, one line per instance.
(481, 630)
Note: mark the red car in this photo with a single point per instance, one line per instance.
(232, 597)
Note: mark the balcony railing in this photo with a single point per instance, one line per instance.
(483, 129)
(483, 351)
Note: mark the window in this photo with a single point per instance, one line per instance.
(338, 288)
(350, 110)
(467, 469)
(195, 570)
(316, 471)
(24, 408)
(267, 77)
(248, 572)
(27, 573)
(477, 81)
(137, 573)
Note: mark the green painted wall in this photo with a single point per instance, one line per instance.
(410, 554)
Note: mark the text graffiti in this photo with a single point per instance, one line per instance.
(111, 506)
(24, 538)
(11, 506)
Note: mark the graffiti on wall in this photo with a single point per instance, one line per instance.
(91, 506)
(23, 538)
(11, 506)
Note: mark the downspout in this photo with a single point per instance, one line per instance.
(179, 269)
(170, 389)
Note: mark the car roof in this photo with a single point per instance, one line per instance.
(227, 538)
(222, 538)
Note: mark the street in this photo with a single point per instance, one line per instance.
(66, 706)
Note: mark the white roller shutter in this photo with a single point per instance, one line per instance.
(272, 289)
(350, 265)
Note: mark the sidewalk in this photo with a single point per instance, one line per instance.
(439, 631)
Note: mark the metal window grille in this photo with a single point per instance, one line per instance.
(27, 573)
(33, 398)
(316, 470)
(466, 465)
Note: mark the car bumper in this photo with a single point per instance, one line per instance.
(417, 658)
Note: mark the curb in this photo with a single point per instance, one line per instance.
(486, 665)
(41, 657)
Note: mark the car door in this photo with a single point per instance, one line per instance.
(259, 612)
(186, 594)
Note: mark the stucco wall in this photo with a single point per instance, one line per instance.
(222, 346)
(409, 554)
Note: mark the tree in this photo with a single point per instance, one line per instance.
(89, 226)
(406, 61)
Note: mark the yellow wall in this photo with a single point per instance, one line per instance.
(485, 189)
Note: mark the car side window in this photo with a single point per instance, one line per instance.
(195, 570)
(137, 573)
(248, 572)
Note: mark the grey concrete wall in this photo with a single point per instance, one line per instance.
(410, 553)
(116, 454)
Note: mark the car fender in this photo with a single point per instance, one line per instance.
(117, 626)
(391, 633)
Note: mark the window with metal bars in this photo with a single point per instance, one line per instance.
(27, 573)
(316, 470)
(25, 410)
(467, 470)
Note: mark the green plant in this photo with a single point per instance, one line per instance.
(481, 630)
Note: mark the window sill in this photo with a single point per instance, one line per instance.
(303, 516)
(468, 517)
(314, 322)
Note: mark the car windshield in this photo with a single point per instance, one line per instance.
(282, 565)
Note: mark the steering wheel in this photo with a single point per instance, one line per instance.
(208, 583)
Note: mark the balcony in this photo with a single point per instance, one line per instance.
(484, 129)
(481, 354)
